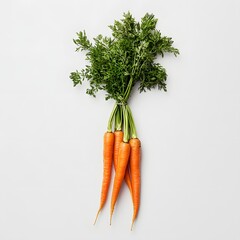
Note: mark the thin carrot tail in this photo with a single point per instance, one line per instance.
(111, 214)
(132, 225)
(99, 210)
(133, 220)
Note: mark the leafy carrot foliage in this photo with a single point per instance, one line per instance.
(129, 55)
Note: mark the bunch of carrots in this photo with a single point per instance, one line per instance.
(116, 65)
(121, 149)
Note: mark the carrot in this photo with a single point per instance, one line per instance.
(107, 168)
(123, 157)
(135, 174)
(118, 140)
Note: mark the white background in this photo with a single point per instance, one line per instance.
(51, 133)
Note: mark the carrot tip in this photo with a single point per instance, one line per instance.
(132, 225)
(111, 218)
(133, 220)
(97, 216)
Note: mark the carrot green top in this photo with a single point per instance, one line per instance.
(116, 63)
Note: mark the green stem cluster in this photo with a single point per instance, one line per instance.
(121, 119)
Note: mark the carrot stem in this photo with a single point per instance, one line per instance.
(132, 123)
(128, 90)
(125, 124)
(118, 119)
(111, 118)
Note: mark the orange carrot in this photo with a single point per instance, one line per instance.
(123, 157)
(135, 174)
(118, 140)
(107, 168)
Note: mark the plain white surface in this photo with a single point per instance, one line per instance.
(51, 133)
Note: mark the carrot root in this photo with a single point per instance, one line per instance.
(123, 158)
(135, 174)
(107, 168)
